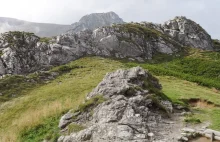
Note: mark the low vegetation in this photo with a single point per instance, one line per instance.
(200, 67)
(143, 32)
(216, 44)
(74, 128)
(91, 103)
(45, 39)
(17, 38)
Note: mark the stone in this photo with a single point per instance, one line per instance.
(185, 139)
(125, 116)
(188, 130)
(150, 134)
(96, 35)
(188, 33)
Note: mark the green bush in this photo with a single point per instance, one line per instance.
(202, 71)
(192, 120)
(46, 130)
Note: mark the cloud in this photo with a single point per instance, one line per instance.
(203, 12)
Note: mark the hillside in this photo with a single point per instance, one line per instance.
(127, 79)
(41, 106)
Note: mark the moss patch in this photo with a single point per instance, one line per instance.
(74, 128)
(91, 103)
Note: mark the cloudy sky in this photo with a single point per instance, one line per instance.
(204, 12)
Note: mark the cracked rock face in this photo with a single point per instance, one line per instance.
(188, 33)
(129, 114)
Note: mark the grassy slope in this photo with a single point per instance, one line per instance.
(32, 113)
(177, 89)
(200, 67)
(62, 94)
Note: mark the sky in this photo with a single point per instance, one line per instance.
(204, 12)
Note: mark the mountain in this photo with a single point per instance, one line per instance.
(44, 81)
(40, 29)
(25, 52)
(95, 20)
(91, 22)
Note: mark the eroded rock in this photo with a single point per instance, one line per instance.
(129, 114)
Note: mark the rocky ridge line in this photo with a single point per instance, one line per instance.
(23, 53)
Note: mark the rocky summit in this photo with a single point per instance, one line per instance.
(95, 20)
(24, 52)
(124, 107)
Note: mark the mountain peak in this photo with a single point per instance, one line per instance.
(95, 20)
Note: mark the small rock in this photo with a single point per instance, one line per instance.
(150, 134)
(1, 94)
(188, 130)
(185, 139)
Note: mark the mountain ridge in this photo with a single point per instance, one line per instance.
(133, 41)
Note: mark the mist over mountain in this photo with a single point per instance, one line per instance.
(91, 21)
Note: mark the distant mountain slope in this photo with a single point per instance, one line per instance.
(91, 22)
(40, 29)
(95, 20)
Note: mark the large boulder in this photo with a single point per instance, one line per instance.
(188, 33)
(131, 111)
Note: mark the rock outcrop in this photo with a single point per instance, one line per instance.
(188, 33)
(129, 112)
(184, 31)
(24, 52)
(96, 20)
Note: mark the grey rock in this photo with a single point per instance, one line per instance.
(124, 117)
(184, 139)
(65, 120)
(27, 54)
(188, 33)
(188, 130)
(91, 21)
(95, 20)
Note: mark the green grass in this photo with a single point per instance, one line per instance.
(45, 39)
(17, 85)
(200, 67)
(28, 117)
(178, 90)
(47, 129)
(143, 32)
(192, 120)
(91, 103)
(75, 128)
(63, 93)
